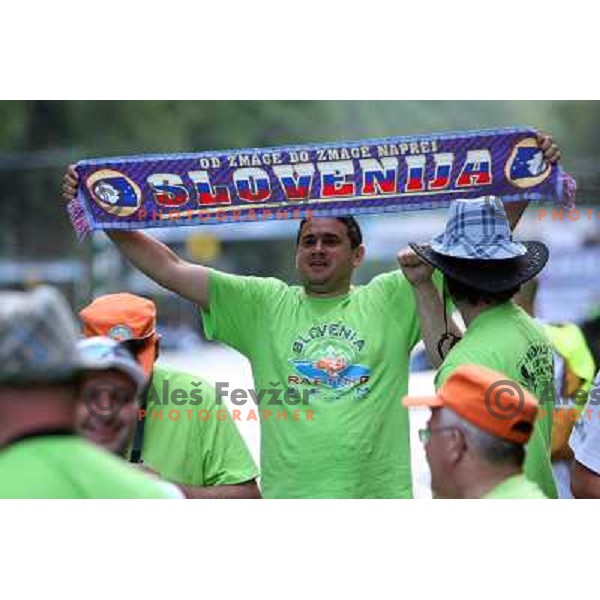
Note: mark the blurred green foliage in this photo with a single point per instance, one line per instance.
(39, 138)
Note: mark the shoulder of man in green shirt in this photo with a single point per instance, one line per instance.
(494, 339)
(237, 307)
(70, 467)
(195, 441)
(241, 305)
(516, 487)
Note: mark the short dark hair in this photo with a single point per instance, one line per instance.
(462, 292)
(352, 226)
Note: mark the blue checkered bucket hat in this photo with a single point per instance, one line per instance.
(477, 229)
(477, 248)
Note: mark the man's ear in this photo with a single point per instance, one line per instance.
(359, 255)
(456, 446)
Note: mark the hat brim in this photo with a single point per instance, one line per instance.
(418, 401)
(492, 275)
(132, 370)
(101, 353)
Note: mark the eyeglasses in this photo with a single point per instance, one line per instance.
(425, 434)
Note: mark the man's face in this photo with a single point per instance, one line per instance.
(437, 451)
(324, 257)
(106, 415)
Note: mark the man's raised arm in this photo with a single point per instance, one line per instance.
(154, 258)
(429, 306)
(161, 264)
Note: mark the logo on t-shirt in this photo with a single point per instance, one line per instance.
(327, 356)
(535, 367)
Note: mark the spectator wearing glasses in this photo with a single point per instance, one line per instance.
(473, 449)
(109, 390)
(205, 457)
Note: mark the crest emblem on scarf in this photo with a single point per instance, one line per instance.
(114, 192)
(526, 166)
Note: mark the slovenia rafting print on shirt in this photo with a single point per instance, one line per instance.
(325, 356)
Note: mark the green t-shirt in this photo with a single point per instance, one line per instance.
(506, 339)
(67, 466)
(516, 487)
(342, 364)
(188, 438)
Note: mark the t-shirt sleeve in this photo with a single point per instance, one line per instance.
(396, 287)
(399, 303)
(585, 438)
(226, 458)
(237, 309)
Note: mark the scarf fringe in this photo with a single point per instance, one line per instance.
(79, 218)
(567, 191)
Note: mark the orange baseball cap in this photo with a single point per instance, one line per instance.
(124, 317)
(488, 400)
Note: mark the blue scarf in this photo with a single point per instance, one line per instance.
(315, 180)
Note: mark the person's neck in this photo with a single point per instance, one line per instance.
(470, 311)
(27, 411)
(528, 308)
(480, 482)
(316, 292)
